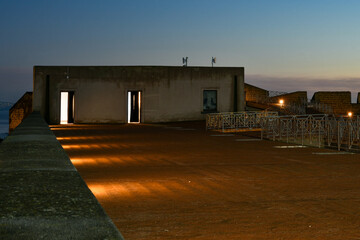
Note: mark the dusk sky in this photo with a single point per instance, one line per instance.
(283, 45)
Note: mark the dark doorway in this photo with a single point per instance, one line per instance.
(134, 105)
(71, 107)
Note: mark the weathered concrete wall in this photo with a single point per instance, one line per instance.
(168, 93)
(255, 94)
(355, 108)
(42, 195)
(299, 97)
(340, 102)
(20, 110)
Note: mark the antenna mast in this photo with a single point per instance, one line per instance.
(185, 61)
(213, 60)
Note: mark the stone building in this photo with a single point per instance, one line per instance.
(133, 94)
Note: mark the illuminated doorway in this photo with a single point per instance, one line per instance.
(67, 104)
(134, 106)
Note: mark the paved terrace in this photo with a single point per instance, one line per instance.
(177, 181)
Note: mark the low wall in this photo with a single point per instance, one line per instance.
(42, 195)
(340, 102)
(20, 110)
(299, 98)
(355, 108)
(255, 94)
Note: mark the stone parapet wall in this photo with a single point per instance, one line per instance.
(355, 108)
(41, 193)
(255, 94)
(20, 110)
(340, 102)
(299, 98)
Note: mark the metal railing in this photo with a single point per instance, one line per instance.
(315, 130)
(303, 129)
(321, 107)
(319, 130)
(236, 120)
(295, 108)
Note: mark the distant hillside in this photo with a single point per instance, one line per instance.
(5, 105)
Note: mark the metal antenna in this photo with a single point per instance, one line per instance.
(213, 60)
(185, 61)
(67, 72)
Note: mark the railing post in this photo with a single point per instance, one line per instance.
(329, 134)
(206, 127)
(287, 131)
(280, 127)
(320, 125)
(349, 133)
(222, 122)
(309, 123)
(302, 133)
(338, 133)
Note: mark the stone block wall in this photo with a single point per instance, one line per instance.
(255, 94)
(298, 98)
(340, 102)
(20, 110)
(355, 108)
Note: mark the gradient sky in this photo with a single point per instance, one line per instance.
(284, 45)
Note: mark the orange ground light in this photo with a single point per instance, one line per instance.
(177, 181)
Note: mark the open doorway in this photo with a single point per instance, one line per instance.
(67, 104)
(134, 106)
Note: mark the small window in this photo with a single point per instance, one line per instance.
(210, 100)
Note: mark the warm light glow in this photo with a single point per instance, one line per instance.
(135, 189)
(64, 108)
(281, 101)
(349, 114)
(98, 190)
(139, 104)
(85, 161)
(129, 106)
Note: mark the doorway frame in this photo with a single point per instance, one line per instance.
(128, 105)
(73, 106)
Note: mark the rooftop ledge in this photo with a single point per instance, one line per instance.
(41, 193)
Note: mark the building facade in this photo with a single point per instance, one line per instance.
(130, 94)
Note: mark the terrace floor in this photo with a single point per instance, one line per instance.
(178, 181)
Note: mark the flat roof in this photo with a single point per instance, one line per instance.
(176, 180)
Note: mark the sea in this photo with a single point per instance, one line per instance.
(4, 123)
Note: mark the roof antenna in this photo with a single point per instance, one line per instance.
(213, 60)
(185, 61)
(67, 72)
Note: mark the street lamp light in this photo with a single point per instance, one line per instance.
(281, 102)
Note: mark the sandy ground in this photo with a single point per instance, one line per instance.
(177, 181)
